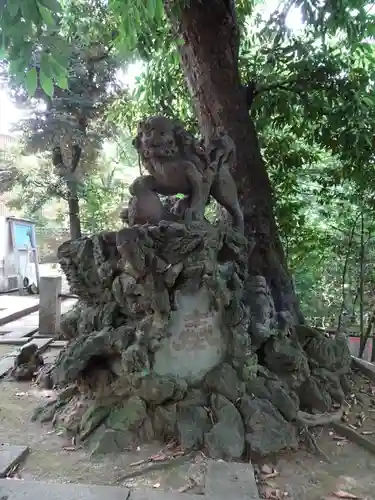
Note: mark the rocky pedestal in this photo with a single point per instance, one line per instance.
(160, 347)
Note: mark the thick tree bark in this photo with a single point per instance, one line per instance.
(66, 173)
(210, 61)
(74, 218)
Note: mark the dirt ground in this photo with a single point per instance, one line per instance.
(296, 476)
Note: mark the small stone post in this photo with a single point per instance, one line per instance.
(49, 305)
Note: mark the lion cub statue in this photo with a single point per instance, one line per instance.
(176, 163)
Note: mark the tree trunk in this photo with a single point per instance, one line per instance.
(210, 62)
(66, 173)
(74, 218)
(364, 338)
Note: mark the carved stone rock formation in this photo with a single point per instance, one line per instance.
(161, 347)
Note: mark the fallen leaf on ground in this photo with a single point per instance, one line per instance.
(342, 443)
(159, 457)
(140, 462)
(266, 469)
(270, 484)
(269, 476)
(272, 494)
(338, 438)
(267, 472)
(186, 487)
(345, 494)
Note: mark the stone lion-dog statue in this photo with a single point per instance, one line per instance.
(177, 164)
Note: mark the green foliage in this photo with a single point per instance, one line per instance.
(102, 191)
(101, 200)
(68, 115)
(31, 38)
(37, 184)
(9, 156)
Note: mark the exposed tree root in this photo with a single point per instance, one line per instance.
(311, 441)
(309, 420)
(306, 420)
(354, 436)
(154, 467)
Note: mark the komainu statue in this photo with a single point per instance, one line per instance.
(177, 164)
(172, 338)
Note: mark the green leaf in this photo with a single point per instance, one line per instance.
(45, 64)
(52, 5)
(46, 83)
(30, 12)
(46, 15)
(13, 7)
(58, 59)
(159, 10)
(56, 68)
(151, 8)
(27, 51)
(62, 81)
(368, 101)
(31, 81)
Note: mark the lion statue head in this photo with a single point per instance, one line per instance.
(160, 137)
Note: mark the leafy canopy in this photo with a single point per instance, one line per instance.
(35, 33)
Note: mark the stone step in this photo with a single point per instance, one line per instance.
(16, 307)
(149, 494)
(224, 481)
(29, 324)
(230, 480)
(11, 489)
(10, 456)
(35, 490)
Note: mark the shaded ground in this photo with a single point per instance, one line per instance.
(53, 458)
(301, 475)
(352, 469)
(49, 460)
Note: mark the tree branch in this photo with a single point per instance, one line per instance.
(317, 80)
(76, 156)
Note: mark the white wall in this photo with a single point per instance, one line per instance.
(4, 242)
(9, 265)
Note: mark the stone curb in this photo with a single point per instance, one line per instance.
(224, 481)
